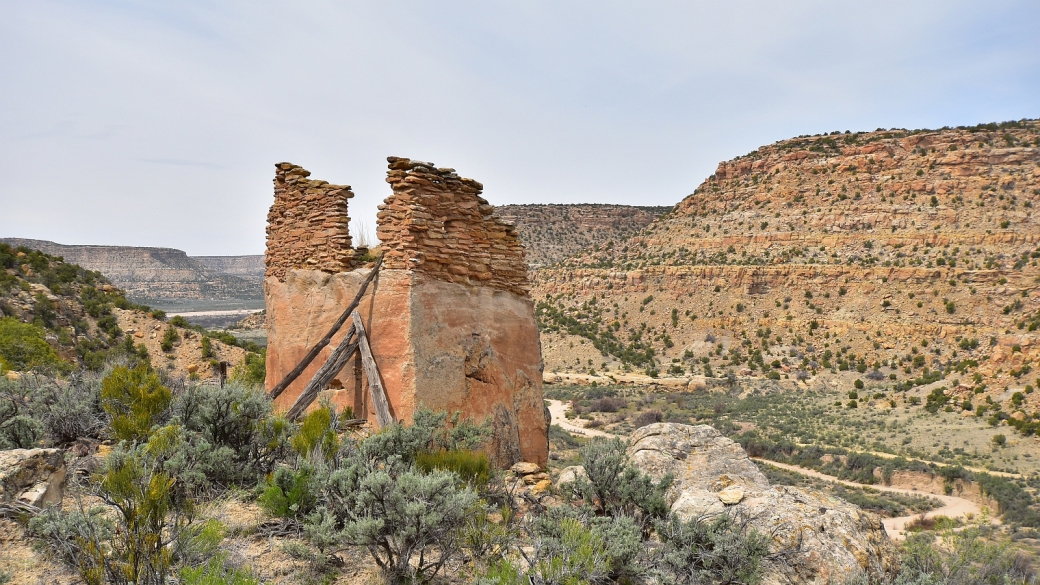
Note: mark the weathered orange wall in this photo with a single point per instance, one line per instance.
(443, 345)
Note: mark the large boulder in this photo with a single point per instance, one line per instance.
(32, 476)
(714, 475)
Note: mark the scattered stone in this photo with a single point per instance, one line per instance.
(32, 476)
(731, 495)
(525, 468)
(570, 475)
(541, 487)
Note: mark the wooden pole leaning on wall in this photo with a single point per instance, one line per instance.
(375, 382)
(337, 360)
(314, 351)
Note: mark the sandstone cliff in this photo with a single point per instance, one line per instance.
(551, 233)
(250, 267)
(156, 275)
(905, 255)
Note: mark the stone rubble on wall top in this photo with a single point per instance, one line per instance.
(307, 226)
(436, 222)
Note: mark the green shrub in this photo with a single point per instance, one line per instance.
(73, 410)
(411, 522)
(149, 526)
(23, 347)
(720, 550)
(135, 399)
(962, 555)
(936, 400)
(170, 336)
(216, 571)
(614, 487)
(316, 437)
(568, 552)
(290, 493)
(473, 467)
(239, 420)
(252, 370)
(377, 497)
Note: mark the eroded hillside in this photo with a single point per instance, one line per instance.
(551, 233)
(909, 256)
(56, 316)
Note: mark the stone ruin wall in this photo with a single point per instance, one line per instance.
(437, 223)
(307, 226)
(450, 318)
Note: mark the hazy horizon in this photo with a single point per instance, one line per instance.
(127, 123)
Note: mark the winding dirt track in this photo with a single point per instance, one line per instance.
(558, 409)
(953, 506)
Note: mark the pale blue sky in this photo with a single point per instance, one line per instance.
(158, 123)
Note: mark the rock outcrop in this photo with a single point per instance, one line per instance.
(713, 475)
(449, 319)
(32, 476)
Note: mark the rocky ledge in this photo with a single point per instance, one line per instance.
(827, 540)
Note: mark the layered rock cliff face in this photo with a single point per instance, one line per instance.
(551, 233)
(250, 267)
(896, 253)
(449, 319)
(152, 275)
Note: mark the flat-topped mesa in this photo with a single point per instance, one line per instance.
(307, 226)
(449, 318)
(437, 223)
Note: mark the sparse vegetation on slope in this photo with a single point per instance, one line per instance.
(908, 257)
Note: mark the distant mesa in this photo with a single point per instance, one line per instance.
(161, 276)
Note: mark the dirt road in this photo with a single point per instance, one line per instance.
(953, 506)
(558, 409)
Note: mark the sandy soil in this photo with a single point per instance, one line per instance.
(558, 409)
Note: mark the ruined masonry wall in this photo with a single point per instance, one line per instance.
(437, 223)
(307, 226)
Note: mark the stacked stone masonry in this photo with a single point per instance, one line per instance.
(437, 223)
(307, 226)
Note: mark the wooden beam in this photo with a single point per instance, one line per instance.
(337, 359)
(375, 383)
(314, 351)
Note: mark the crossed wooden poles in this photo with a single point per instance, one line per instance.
(355, 341)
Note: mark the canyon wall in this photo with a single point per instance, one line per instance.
(450, 321)
(894, 254)
(552, 232)
(152, 275)
(249, 267)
